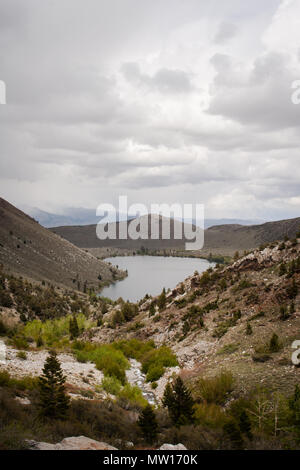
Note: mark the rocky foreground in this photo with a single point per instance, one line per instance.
(85, 443)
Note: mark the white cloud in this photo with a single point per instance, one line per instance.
(183, 101)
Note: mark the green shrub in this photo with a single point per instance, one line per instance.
(5, 299)
(3, 328)
(161, 301)
(271, 346)
(133, 395)
(4, 378)
(209, 414)
(243, 284)
(155, 372)
(220, 330)
(19, 342)
(134, 348)
(81, 356)
(157, 360)
(228, 349)
(215, 389)
(110, 360)
(22, 355)
(24, 383)
(52, 332)
(111, 385)
(274, 345)
(154, 360)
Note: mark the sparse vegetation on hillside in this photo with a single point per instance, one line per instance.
(232, 329)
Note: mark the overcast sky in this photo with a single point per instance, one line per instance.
(164, 100)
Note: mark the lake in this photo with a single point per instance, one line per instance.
(150, 274)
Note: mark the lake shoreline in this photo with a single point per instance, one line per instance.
(150, 274)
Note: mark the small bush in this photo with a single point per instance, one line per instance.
(111, 385)
(3, 328)
(133, 395)
(19, 342)
(271, 346)
(25, 383)
(22, 355)
(209, 414)
(274, 346)
(4, 378)
(228, 349)
(158, 359)
(155, 372)
(110, 360)
(215, 389)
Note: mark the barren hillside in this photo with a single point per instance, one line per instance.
(28, 249)
(205, 319)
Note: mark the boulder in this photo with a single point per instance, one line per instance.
(72, 443)
(172, 447)
(23, 400)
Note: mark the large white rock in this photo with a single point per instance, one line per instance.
(72, 443)
(172, 447)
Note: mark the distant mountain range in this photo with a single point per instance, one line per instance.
(220, 239)
(72, 216)
(82, 216)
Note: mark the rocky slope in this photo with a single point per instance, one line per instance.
(205, 319)
(222, 320)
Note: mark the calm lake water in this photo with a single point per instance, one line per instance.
(150, 274)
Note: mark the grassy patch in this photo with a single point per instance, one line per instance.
(111, 385)
(216, 389)
(107, 358)
(228, 349)
(25, 383)
(154, 360)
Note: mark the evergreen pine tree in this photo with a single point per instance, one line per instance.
(161, 301)
(152, 309)
(104, 308)
(249, 330)
(232, 431)
(178, 399)
(148, 424)
(274, 343)
(292, 308)
(54, 402)
(282, 269)
(73, 328)
(294, 405)
(245, 424)
(284, 314)
(292, 290)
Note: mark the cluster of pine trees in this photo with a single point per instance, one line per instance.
(179, 403)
